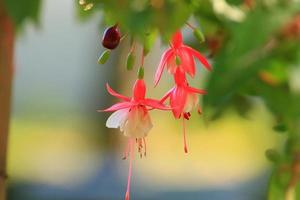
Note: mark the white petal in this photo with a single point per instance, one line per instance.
(145, 125)
(138, 124)
(117, 118)
(191, 102)
(133, 119)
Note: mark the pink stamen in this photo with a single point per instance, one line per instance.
(127, 195)
(191, 26)
(126, 151)
(199, 110)
(140, 147)
(184, 137)
(145, 151)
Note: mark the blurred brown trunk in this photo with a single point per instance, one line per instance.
(6, 74)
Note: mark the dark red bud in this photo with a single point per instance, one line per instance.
(111, 37)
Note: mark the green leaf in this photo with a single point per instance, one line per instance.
(280, 128)
(273, 155)
(20, 11)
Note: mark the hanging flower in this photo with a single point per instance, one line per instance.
(183, 99)
(179, 55)
(132, 117)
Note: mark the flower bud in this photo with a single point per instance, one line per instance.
(111, 37)
(104, 57)
(130, 61)
(199, 35)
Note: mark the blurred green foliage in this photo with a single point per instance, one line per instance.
(139, 18)
(254, 62)
(20, 11)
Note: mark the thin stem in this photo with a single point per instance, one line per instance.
(191, 26)
(132, 48)
(141, 68)
(131, 143)
(143, 58)
(184, 136)
(123, 37)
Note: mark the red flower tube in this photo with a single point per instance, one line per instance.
(179, 55)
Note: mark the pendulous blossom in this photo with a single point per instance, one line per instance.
(132, 117)
(183, 99)
(179, 55)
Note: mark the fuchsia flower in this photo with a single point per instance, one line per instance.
(183, 99)
(132, 117)
(179, 55)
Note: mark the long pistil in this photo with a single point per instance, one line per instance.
(184, 136)
(131, 143)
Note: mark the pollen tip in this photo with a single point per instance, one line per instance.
(209, 67)
(185, 150)
(199, 111)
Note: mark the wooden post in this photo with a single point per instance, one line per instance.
(6, 76)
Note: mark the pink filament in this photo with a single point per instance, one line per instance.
(184, 136)
(126, 151)
(145, 150)
(199, 110)
(131, 143)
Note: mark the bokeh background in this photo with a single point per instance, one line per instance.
(59, 147)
